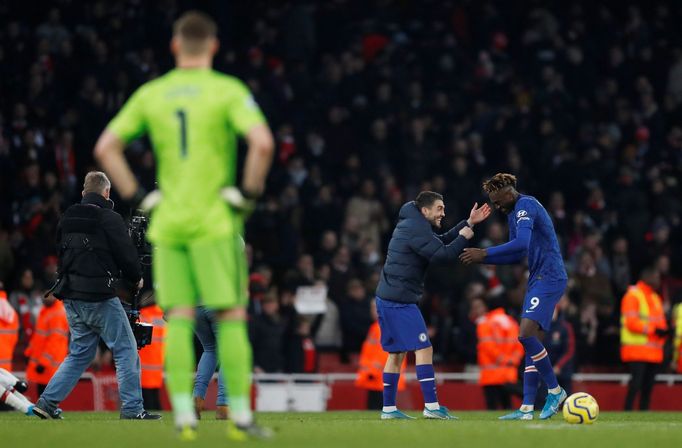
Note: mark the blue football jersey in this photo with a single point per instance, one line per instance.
(544, 256)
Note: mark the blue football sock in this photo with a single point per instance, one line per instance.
(390, 388)
(540, 358)
(530, 382)
(427, 380)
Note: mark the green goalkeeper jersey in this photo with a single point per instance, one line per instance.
(192, 117)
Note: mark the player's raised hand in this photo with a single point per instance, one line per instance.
(472, 255)
(479, 214)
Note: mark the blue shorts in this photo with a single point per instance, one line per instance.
(402, 327)
(541, 298)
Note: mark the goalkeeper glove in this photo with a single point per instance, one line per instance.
(144, 201)
(240, 201)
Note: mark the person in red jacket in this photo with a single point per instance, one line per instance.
(49, 344)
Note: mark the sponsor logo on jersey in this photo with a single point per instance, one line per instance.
(521, 213)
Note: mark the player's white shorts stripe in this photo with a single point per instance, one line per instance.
(427, 379)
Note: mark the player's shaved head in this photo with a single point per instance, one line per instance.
(194, 31)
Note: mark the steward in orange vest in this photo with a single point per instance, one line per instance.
(49, 343)
(152, 357)
(9, 331)
(642, 335)
(372, 361)
(499, 353)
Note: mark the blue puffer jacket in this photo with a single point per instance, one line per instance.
(413, 246)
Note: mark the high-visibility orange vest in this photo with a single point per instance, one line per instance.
(641, 313)
(499, 350)
(152, 356)
(49, 343)
(9, 332)
(677, 350)
(372, 361)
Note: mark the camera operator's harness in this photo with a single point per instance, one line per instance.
(82, 226)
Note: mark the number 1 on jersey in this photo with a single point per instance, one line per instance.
(182, 116)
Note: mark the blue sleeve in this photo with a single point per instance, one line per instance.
(453, 233)
(504, 259)
(512, 250)
(429, 245)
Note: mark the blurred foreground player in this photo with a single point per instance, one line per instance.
(531, 233)
(193, 116)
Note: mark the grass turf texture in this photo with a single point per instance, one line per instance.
(348, 429)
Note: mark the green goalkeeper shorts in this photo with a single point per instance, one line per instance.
(212, 273)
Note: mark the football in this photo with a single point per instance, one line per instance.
(581, 408)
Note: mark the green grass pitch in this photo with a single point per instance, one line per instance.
(349, 430)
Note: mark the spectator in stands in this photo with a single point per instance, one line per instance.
(356, 317)
(392, 107)
(27, 300)
(6, 256)
(676, 363)
(267, 331)
(368, 214)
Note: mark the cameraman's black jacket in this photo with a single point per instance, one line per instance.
(95, 251)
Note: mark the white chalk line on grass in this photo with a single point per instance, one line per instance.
(640, 425)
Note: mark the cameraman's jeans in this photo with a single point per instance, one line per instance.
(205, 330)
(88, 321)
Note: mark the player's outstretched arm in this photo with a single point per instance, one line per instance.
(431, 247)
(507, 253)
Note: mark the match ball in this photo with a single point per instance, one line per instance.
(581, 408)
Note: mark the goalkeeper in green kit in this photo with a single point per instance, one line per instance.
(193, 116)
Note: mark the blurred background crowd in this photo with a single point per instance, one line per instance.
(372, 102)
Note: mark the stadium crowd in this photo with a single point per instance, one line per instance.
(370, 103)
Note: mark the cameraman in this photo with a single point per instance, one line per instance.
(95, 251)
